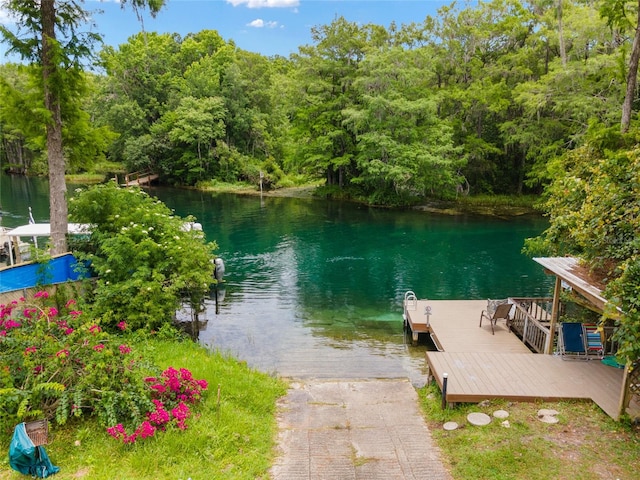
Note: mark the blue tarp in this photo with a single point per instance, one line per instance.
(57, 270)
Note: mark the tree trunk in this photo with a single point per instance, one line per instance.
(563, 48)
(58, 209)
(632, 76)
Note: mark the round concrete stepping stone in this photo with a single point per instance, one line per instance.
(548, 418)
(478, 419)
(545, 411)
(501, 414)
(450, 426)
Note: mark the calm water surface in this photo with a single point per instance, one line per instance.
(314, 288)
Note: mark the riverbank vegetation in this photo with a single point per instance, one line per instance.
(229, 436)
(477, 99)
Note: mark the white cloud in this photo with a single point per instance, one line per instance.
(265, 3)
(259, 23)
(5, 17)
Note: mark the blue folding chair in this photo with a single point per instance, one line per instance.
(572, 341)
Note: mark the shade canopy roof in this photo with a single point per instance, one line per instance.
(569, 270)
(44, 230)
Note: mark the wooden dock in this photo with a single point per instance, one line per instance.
(482, 366)
(139, 179)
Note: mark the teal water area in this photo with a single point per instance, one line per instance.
(314, 288)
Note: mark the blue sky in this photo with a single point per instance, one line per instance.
(269, 27)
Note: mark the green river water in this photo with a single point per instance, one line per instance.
(314, 288)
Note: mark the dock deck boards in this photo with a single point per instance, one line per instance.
(483, 366)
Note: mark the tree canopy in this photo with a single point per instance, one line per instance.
(499, 96)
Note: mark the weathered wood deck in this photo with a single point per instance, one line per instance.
(482, 366)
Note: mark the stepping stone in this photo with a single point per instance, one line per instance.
(548, 418)
(450, 426)
(545, 411)
(478, 419)
(501, 414)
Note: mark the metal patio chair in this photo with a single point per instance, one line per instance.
(501, 312)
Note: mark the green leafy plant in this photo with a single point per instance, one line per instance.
(147, 260)
(59, 364)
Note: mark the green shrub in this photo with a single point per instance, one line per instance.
(59, 364)
(147, 260)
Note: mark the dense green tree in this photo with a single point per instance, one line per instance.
(49, 35)
(624, 16)
(196, 125)
(403, 149)
(594, 210)
(138, 86)
(325, 73)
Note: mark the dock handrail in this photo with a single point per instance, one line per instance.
(531, 321)
(410, 300)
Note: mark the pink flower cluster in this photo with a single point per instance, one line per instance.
(145, 430)
(178, 384)
(173, 387)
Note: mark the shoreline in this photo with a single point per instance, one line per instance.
(442, 207)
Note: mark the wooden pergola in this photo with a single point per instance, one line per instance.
(568, 271)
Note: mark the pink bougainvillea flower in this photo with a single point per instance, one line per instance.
(69, 303)
(99, 347)
(3, 333)
(75, 313)
(145, 430)
(9, 324)
(124, 349)
(202, 384)
(29, 350)
(41, 294)
(37, 369)
(122, 325)
(160, 416)
(181, 413)
(117, 431)
(53, 311)
(158, 387)
(64, 353)
(94, 329)
(68, 331)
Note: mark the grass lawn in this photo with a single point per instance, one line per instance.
(232, 438)
(585, 444)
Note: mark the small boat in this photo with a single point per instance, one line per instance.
(10, 238)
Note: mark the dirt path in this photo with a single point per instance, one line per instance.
(354, 429)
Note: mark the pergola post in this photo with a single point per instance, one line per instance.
(555, 311)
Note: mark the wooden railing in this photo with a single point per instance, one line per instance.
(531, 321)
(138, 178)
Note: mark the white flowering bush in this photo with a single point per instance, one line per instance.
(145, 260)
